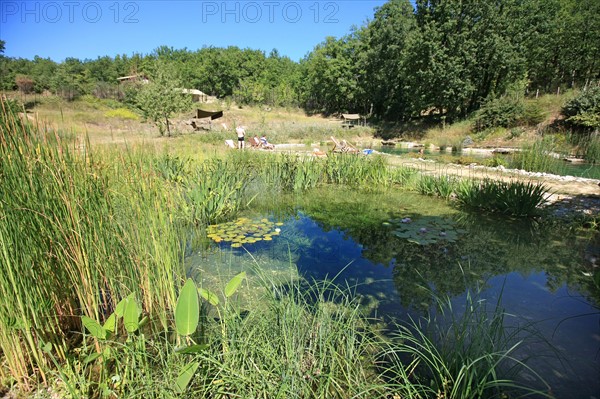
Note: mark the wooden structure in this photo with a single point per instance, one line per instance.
(198, 96)
(203, 119)
(133, 79)
(201, 114)
(351, 120)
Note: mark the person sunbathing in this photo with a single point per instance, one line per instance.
(265, 143)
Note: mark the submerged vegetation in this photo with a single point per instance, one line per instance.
(92, 251)
(486, 365)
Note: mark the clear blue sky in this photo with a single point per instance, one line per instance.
(88, 29)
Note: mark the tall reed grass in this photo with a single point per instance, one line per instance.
(588, 146)
(441, 186)
(541, 156)
(300, 341)
(79, 231)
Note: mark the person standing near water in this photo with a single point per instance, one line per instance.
(240, 133)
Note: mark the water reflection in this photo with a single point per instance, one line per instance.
(540, 270)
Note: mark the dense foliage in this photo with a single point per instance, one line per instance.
(438, 57)
(583, 111)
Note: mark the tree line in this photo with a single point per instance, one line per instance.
(438, 57)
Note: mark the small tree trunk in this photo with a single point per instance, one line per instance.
(168, 127)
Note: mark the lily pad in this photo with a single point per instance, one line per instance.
(427, 230)
(243, 231)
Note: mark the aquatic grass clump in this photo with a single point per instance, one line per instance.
(590, 147)
(459, 353)
(358, 171)
(403, 176)
(301, 341)
(515, 198)
(441, 186)
(296, 173)
(288, 172)
(215, 191)
(541, 156)
(172, 168)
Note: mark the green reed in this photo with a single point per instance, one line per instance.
(460, 353)
(541, 156)
(301, 341)
(79, 231)
(591, 147)
(515, 198)
(292, 172)
(441, 186)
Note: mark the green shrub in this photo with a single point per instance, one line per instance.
(515, 132)
(532, 114)
(495, 161)
(499, 112)
(583, 111)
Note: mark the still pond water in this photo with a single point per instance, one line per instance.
(387, 245)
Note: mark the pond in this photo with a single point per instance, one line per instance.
(590, 171)
(387, 246)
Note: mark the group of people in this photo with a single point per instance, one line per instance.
(256, 142)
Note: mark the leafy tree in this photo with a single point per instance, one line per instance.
(385, 39)
(72, 79)
(579, 33)
(460, 54)
(161, 98)
(43, 70)
(560, 41)
(332, 77)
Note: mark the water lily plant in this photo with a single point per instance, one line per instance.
(244, 231)
(426, 230)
